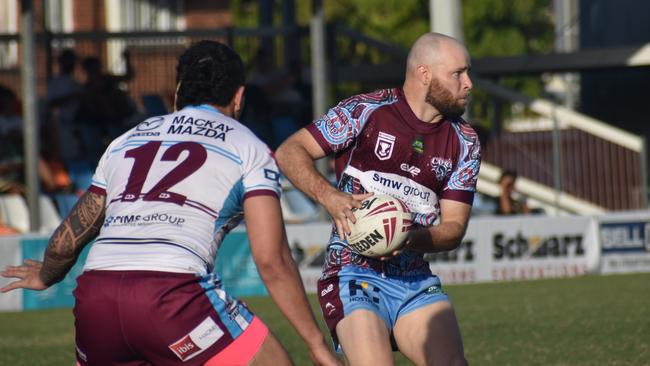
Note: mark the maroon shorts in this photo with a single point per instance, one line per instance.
(155, 318)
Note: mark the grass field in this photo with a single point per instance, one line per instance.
(590, 320)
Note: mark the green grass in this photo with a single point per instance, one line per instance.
(594, 320)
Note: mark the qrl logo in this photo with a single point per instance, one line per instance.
(384, 146)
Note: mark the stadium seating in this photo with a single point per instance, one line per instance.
(81, 173)
(50, 218)
(15, 213)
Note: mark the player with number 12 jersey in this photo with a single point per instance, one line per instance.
(176, 184)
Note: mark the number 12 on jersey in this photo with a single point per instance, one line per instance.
(144, 158)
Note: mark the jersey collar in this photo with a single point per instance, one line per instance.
(411, 119)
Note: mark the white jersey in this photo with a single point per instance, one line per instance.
(174, 186)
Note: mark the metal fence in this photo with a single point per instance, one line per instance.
(591, 168)
(581, 161)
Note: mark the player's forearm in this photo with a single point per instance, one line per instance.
(285, 287)
(77, 230)
(440, 238)
(298, 166)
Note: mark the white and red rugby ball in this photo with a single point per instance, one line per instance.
(382, 226)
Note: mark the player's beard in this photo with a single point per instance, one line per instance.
(442, 100)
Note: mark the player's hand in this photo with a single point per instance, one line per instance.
(322, 356)
(340, 205)
(28, 275)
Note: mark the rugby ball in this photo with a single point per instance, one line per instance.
(382, 226)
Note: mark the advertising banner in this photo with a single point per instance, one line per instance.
(533, 247)
(236, 267)
(59, 295)
(308, 243)
(625, 242)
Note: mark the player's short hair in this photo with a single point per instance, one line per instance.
(508, 173)
(208, 72)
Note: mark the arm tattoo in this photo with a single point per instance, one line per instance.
(78, 229)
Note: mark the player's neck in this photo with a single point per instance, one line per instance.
(424, 111)
(228, 110)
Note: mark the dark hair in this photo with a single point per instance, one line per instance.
(508, 173)
(67, 60)
(208, 72)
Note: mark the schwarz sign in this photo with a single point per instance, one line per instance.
(536, 246)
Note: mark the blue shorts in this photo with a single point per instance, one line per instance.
(389, 297)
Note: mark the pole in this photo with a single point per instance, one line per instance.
(643, 160)
(446, 17)
(318, 75)
(557, 163)
(30, 123)
(318, 67)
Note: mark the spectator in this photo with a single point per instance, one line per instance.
(280, 90)
(510, 202)
(62, 104)
(105, 110)
(11, 153)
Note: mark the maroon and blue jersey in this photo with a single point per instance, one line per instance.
(380, 146)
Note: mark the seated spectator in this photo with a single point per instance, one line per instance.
(62, 104)
(12, 168)
(279, 88)
(510, 202)
(105, 111)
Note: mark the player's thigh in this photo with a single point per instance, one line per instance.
(271, 354)
(364, 337)
(430, 335)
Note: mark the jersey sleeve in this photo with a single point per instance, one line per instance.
(99, 181)
(261, 175)
(336, 130)
(461, 185)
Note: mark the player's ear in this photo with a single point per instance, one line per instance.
(238, 100)
(424, 74)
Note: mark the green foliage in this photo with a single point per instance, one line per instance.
(507, 28)
(394, 21)
(593, 320)
(491, 28)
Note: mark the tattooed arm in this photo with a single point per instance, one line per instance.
(77, 230)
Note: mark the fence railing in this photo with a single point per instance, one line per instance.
(577, 154)
(586, 159)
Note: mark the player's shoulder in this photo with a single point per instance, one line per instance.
(465, 130)
(376, 98)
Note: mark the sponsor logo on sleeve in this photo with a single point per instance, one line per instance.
(384, 146)
(272, 175)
